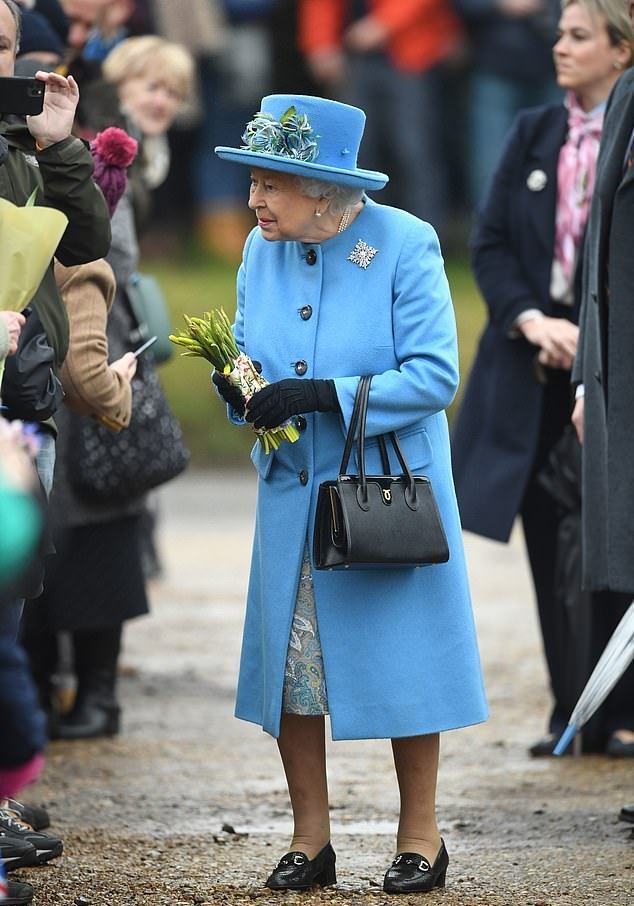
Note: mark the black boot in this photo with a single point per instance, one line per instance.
(96, 711)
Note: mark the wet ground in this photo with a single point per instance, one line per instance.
(188, 805)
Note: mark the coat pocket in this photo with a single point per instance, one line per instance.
(416, 447)
(261, 460)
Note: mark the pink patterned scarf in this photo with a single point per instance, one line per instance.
(575, 181)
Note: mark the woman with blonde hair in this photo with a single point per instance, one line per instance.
(153, 79)
(527, 258)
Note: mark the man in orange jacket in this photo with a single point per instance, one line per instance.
(385, 57)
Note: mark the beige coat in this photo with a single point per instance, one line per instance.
(91, 386)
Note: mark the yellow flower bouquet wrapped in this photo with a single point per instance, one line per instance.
(211, 338)
(28, 239)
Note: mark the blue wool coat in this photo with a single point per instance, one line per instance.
(399, 646)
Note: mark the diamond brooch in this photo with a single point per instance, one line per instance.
(362, 254)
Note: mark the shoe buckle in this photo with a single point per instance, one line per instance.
(423, 865)
(298, 860)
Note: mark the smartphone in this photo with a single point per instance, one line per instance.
(21, 96)
(146, 345)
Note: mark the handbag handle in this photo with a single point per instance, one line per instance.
(410, 490)
(359, 417)
(354, 419)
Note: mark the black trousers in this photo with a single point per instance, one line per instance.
(541, 518)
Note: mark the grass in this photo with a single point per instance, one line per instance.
(195, 283)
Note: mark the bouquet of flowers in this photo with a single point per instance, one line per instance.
(211, 338)
(28, 239)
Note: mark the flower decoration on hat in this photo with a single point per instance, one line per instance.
(291, 137)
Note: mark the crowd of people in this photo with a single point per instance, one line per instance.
(97, 162)
(359, 90)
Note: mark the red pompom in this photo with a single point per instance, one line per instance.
(115, 147)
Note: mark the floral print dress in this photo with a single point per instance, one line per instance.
(304, 680)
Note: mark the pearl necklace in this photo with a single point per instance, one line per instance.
(345, 218)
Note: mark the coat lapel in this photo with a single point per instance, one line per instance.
(544, 156)
(615, 141)
(628, 175)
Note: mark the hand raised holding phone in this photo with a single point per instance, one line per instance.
(125, 366)
(55, 122)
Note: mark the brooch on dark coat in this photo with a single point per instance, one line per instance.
(362, 254)
(536, 180)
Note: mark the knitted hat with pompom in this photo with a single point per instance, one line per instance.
(113, 150)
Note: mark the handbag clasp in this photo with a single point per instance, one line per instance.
(387, 495)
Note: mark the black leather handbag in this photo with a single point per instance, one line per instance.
(380, 521)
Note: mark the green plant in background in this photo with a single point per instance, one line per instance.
(196, 283)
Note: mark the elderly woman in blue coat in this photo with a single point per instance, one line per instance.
(333, 286)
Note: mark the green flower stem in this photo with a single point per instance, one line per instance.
(211, 338)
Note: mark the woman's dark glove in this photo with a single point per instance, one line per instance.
(228, 392)
(272, 405)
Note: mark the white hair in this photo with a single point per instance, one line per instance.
(339, 197)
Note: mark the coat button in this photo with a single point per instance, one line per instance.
(301, 423)
(306, 312)
(311, 256)
(303, 477)
(301, 367)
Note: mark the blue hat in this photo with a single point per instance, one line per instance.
(307, 136)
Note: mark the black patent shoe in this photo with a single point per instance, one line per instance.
(295, 871)
(627, 814)
(412, 873)
(545, 747)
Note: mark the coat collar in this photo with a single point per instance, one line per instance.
(544, 155)
(616, 137)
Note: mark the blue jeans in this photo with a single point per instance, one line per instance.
(494, 102)
(23, 724)
(217, 182)
(45, 465)
(45, 460)
(403, 133)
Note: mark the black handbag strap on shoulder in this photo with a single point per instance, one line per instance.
(359, 417)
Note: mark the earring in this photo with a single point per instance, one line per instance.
(319, 213)
(618, 65)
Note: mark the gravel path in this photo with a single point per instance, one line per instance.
(188, 805)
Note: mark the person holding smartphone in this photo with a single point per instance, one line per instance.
(40, 155)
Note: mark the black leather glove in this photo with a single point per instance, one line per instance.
(272, 405)
(228, 392)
